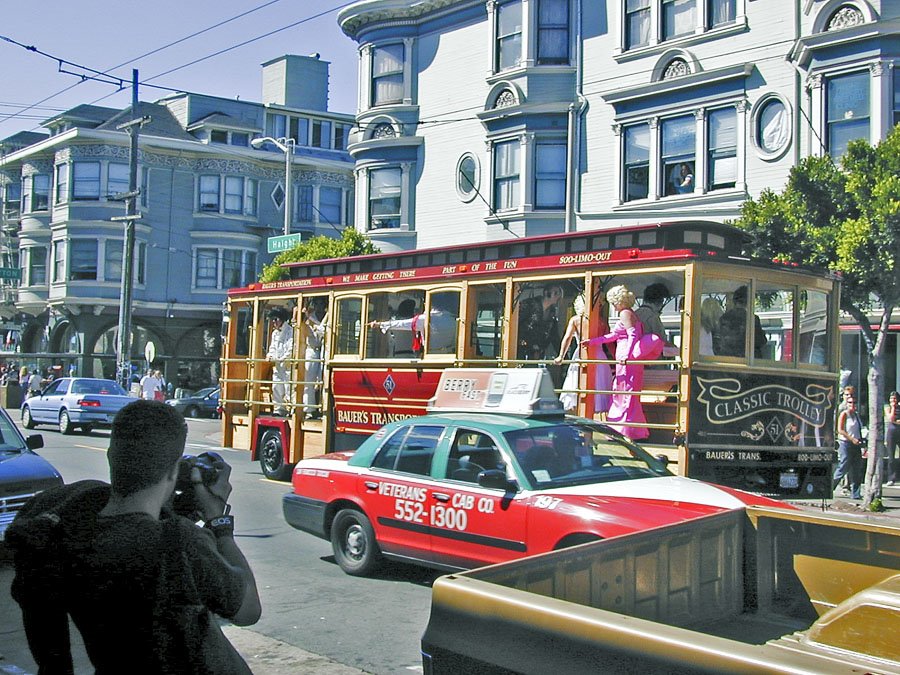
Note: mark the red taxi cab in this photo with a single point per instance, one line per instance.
(494, 471)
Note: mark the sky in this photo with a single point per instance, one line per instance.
(102, 34)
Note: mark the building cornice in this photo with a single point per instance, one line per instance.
(354, 18)
(805, 48)
(657, 88)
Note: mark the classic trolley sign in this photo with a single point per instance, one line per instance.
(748, 412)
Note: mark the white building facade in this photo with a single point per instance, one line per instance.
(489, 120)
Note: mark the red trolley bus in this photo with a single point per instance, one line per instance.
(752, 409)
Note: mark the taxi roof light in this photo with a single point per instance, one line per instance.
(512, 391)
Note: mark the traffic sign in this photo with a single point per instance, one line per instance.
(11, 273)
(284, 242)
(150, 351)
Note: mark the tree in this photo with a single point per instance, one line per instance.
(845, 218)
(351, 243)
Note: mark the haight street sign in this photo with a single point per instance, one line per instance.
(284, 242)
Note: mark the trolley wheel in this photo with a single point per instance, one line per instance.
(271, 456)
(353, 543)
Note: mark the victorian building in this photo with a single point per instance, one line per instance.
(208, 202)
(489, 120)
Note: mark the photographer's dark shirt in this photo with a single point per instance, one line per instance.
(107, 582)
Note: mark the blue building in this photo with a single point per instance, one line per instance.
(208, 203)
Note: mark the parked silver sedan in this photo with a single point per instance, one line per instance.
(75, 402)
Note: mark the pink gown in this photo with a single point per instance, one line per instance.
(626, 407)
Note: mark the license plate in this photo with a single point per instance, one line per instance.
(789, 480)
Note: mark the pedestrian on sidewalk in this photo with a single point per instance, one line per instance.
(850, 444)
(892, 437)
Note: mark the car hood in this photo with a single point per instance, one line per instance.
(24, 473)
(668, 489)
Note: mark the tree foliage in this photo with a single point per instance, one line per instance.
(846, 218)
(351, 243)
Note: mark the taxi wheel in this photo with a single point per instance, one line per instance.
(353, 543)
(271, 456)
(27, 421)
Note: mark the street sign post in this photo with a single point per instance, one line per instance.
(11, 273)
(284, 242)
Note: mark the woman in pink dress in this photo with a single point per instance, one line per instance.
(626, 414)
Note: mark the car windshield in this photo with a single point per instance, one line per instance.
(97, 387)
(578, 453)
(10, 439)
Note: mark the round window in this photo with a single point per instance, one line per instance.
(773, 127)
(467, 177)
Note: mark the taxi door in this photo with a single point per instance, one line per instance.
(473, 525)
(396, 491)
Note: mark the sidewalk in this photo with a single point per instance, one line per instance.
(852, 507)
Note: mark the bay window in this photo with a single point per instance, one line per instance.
(637, 23)
(37, 266)
(678, 18)
(206, 274)
(35, 193)
(506, 175)
(330, 205)
(385, 193)
(85, 180)
(722, 143)
(234, 194)
(59, 261)
(62, 183)
(509, 35)
(637, 162)
(721, 12)
(209, 193)
(387, 74)
(550, 175)
(847, 111)
(677, 161)
(112, 260)
(553, 32)
(82, 259)
(117, 179)
(305, 203)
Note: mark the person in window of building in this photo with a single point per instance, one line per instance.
(850, 445)
(281, 348)
(539, 324)
(626, 414)
(733, 326)
(313, 317)
(892, 437)
(683, 180)
(710, 313)
(118, 559)
(599, 376)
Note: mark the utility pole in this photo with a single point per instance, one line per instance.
(123, 343)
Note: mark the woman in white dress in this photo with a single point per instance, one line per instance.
(579, 325)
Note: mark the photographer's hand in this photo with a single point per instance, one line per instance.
(212, 500)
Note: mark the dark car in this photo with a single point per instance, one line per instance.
(72, 402)
(23, 473)
(203, 403)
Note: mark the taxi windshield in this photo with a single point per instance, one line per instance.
(576, 453)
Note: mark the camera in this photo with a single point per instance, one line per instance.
(205, 462)
(209, 464)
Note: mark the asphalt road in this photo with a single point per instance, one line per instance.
(371, 624)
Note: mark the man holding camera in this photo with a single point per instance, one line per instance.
(128, 563)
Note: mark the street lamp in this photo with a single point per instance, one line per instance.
(286, 145)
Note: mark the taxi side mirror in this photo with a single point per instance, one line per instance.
(495, 479)
(34, 442)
